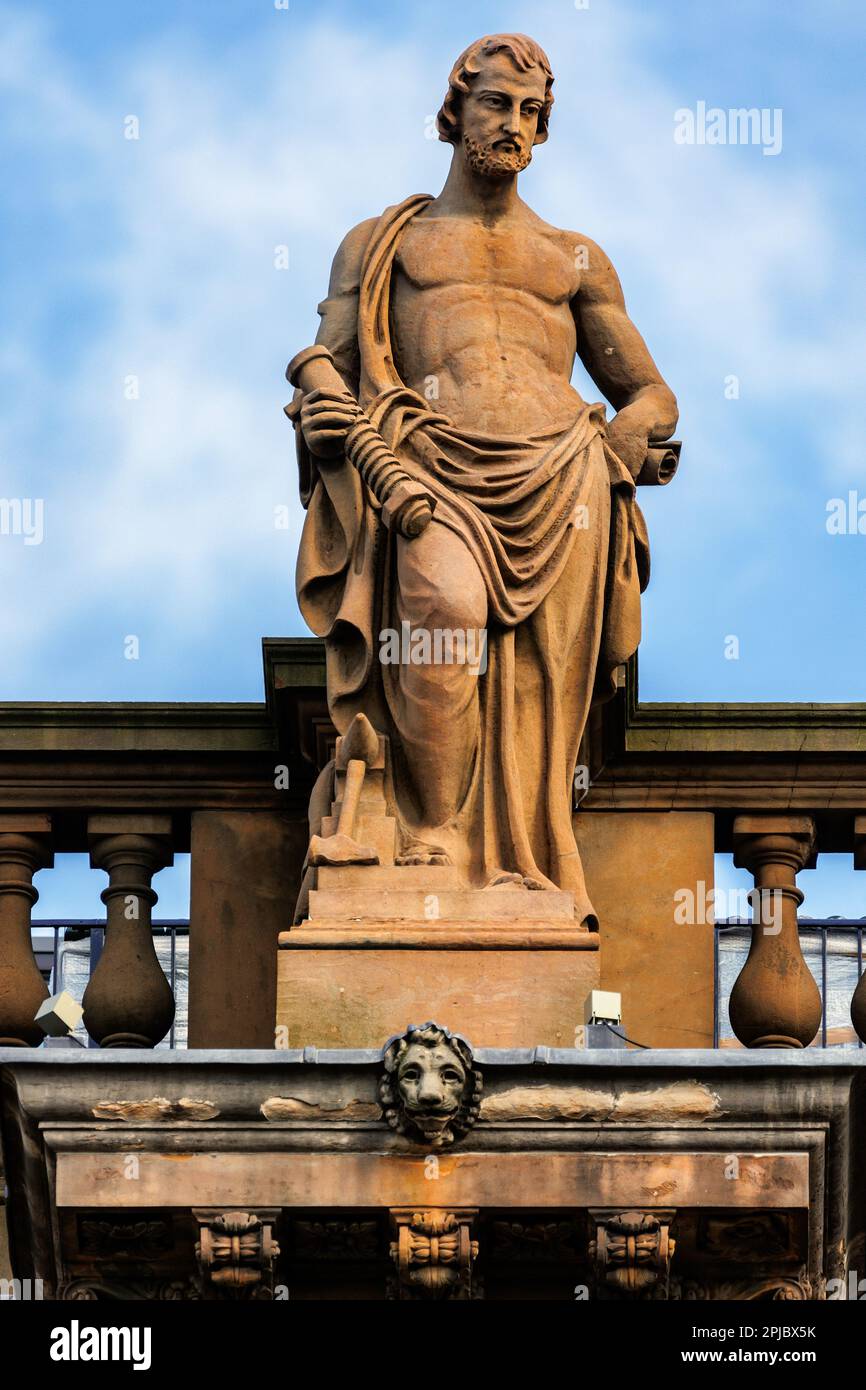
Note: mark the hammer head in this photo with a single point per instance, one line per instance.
(360, 741)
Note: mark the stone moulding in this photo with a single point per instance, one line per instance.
(767, 1158)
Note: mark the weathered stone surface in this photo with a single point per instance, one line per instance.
(363, 1180)
(636, 862)
(294, 1108)
(356, 995)
(685, 1103)
(244, 875)
(410, 904)
(159, 1108)
(742, 1135)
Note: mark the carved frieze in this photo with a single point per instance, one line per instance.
(769, 1288)
(336, 1240)
(120, 1289)
(124, 1240)
(535, 1240)
(755, 1237)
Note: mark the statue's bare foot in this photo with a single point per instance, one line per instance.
(416, 852)
(503, 879)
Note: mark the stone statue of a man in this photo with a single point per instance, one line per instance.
(455, 321)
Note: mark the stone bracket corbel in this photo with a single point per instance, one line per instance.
(434, 1253)
(236, 1252)
(631, 1252)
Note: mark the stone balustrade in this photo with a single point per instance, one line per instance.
(133, 786)
(24, 848)
(668, 786)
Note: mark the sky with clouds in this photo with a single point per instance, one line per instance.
(145, 268)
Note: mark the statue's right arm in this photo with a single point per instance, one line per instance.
(338, 330)
(324, 417)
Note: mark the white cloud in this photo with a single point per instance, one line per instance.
(163, 506)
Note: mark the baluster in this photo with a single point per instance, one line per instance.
(128, 1002)
(775, 1001)
(24, 848)
(858, 1003)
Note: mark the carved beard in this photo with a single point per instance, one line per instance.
(491, 163)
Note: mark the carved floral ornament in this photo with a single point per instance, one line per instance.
(434, 1254)
(236, 1252)
(632, 1252)
(430, 1091)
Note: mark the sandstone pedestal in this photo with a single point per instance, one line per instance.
(385, 946)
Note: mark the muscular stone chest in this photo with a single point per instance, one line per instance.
(484, 306)
(442, 252)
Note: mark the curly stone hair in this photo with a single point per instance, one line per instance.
(430, 1035)
(524, 52)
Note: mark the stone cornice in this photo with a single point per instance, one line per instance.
(804, 758)
(135, 727)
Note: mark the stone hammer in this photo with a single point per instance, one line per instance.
(359, 748)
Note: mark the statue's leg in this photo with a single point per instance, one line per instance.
(434, 701)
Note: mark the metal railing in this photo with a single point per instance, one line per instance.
(835, 964)
(55, 942)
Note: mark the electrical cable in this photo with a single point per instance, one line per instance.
(646, 1047)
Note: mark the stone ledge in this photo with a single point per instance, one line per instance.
(516, 935)
(822, 1060)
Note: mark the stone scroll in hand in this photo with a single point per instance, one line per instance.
(660, 464)
(406, 506)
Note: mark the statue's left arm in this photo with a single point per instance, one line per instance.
(619, 362)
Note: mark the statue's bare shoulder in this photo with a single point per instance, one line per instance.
(339, 312)
(596, 277)
(608, 343)
(349, 258)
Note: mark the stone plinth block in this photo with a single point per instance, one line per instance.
(389, 904)
(518, 984)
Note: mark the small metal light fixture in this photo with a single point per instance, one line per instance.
(602, 1006)
(58, 1015)
(602, 1026)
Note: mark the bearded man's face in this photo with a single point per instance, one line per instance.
(499, 117)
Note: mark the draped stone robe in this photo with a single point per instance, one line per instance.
(552, 523)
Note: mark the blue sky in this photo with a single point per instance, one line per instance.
(261, 127)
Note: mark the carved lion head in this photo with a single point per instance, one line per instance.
(430, 1090)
